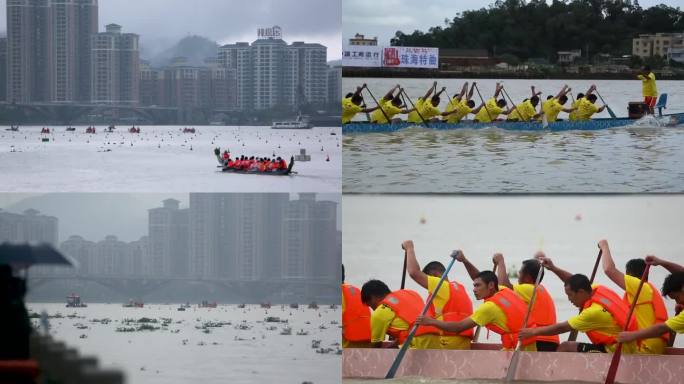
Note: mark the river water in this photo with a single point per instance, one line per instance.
(567, 228)
(640, 158)
(184, 351)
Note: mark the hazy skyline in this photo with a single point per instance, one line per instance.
(359, 16)
(162, 23)
(96, 215)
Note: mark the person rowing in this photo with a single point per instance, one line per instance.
(492, 108)
(427, 108)
(502, 312)
(586, 108)
(603, 314)
(650, 309)
(353, 104)
(451, 302)
(648, 87)
(356, 331)
(573, 116)
(554, 105)
(461, 105)
(389, 106)
(526, 110)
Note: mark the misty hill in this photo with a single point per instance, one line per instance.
(96, 215)
(194, 48)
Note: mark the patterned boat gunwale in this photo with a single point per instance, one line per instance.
(533, 126)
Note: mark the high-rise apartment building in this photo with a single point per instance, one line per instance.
(168, 240)
(335, 85)
(49, 49)
(115, 67)
(29, 227)
(3, 69)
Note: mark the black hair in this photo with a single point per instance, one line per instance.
(470, 103)
(580, 95)
(373, 288)
(488, 277)
(647, 68)
(435, 100)
(348, 95)
(343, 273)
(563, 99)
(635, 267)
(357, 99)
(534, 100)
(434, 266)
(577, 282)
(673, 283)
(549, 97)
(396, 101)
(501, 103)
(531, 268)
(591, 98)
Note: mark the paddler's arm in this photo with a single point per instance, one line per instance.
(501, 273)
(476, 110)
(590, 91)
(563, 91)
(412, 266)
(464, 89)
(390, 93)
(359, 89)
(548, 264)
(449, 326)
(609, 265)
(670, 266)
(472, 89)
(646, 333)
(535, 93)
(499, 87)
(472, 270)
(568, 110)
(369, 110)
(429, 91)
(440, 91)
(548, 330)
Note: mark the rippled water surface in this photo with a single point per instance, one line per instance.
(639, 158)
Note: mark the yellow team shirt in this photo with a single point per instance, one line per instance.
(586, 109)
(489, 112)
(551, 109)
(383, 317)
(523, 112)
(648, 85)
(573, 114)
(349, 110)
(490, 313)
(389, 109)
(676, 323)
(426, 109)
(462, 110)
(645, 315)
(440, 300)
(595, 318)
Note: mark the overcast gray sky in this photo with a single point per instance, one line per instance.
(383, 18)
(161, 23)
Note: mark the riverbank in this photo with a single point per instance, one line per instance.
(499, 74)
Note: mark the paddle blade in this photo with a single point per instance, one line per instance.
(611, 113)
(612, 371)
(545, 121)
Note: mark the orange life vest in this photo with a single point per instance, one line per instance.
(658, 305)
(611, 302)
(515, 308)
(407, 305)
(544, 313)
(457, 308)
(356, 315)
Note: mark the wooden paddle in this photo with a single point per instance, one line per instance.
(610, 111)
(484, 104)
(573, 333)
(516, 355)
(404, 347)
(673, 334)
(615, 362)
(403, 276)
(416, 109)
(476, 335)
(512, 103)
(379, 106)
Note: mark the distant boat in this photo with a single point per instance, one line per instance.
(134, 304)
(74, 301)
(206, 304)
(70, 129)
(241, 305)
(265, 305)
(294, 305)
(13, 128)
(302, 122)
(313, 305)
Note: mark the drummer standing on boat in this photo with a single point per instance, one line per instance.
(648, 87)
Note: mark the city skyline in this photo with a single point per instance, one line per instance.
(325, 28)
